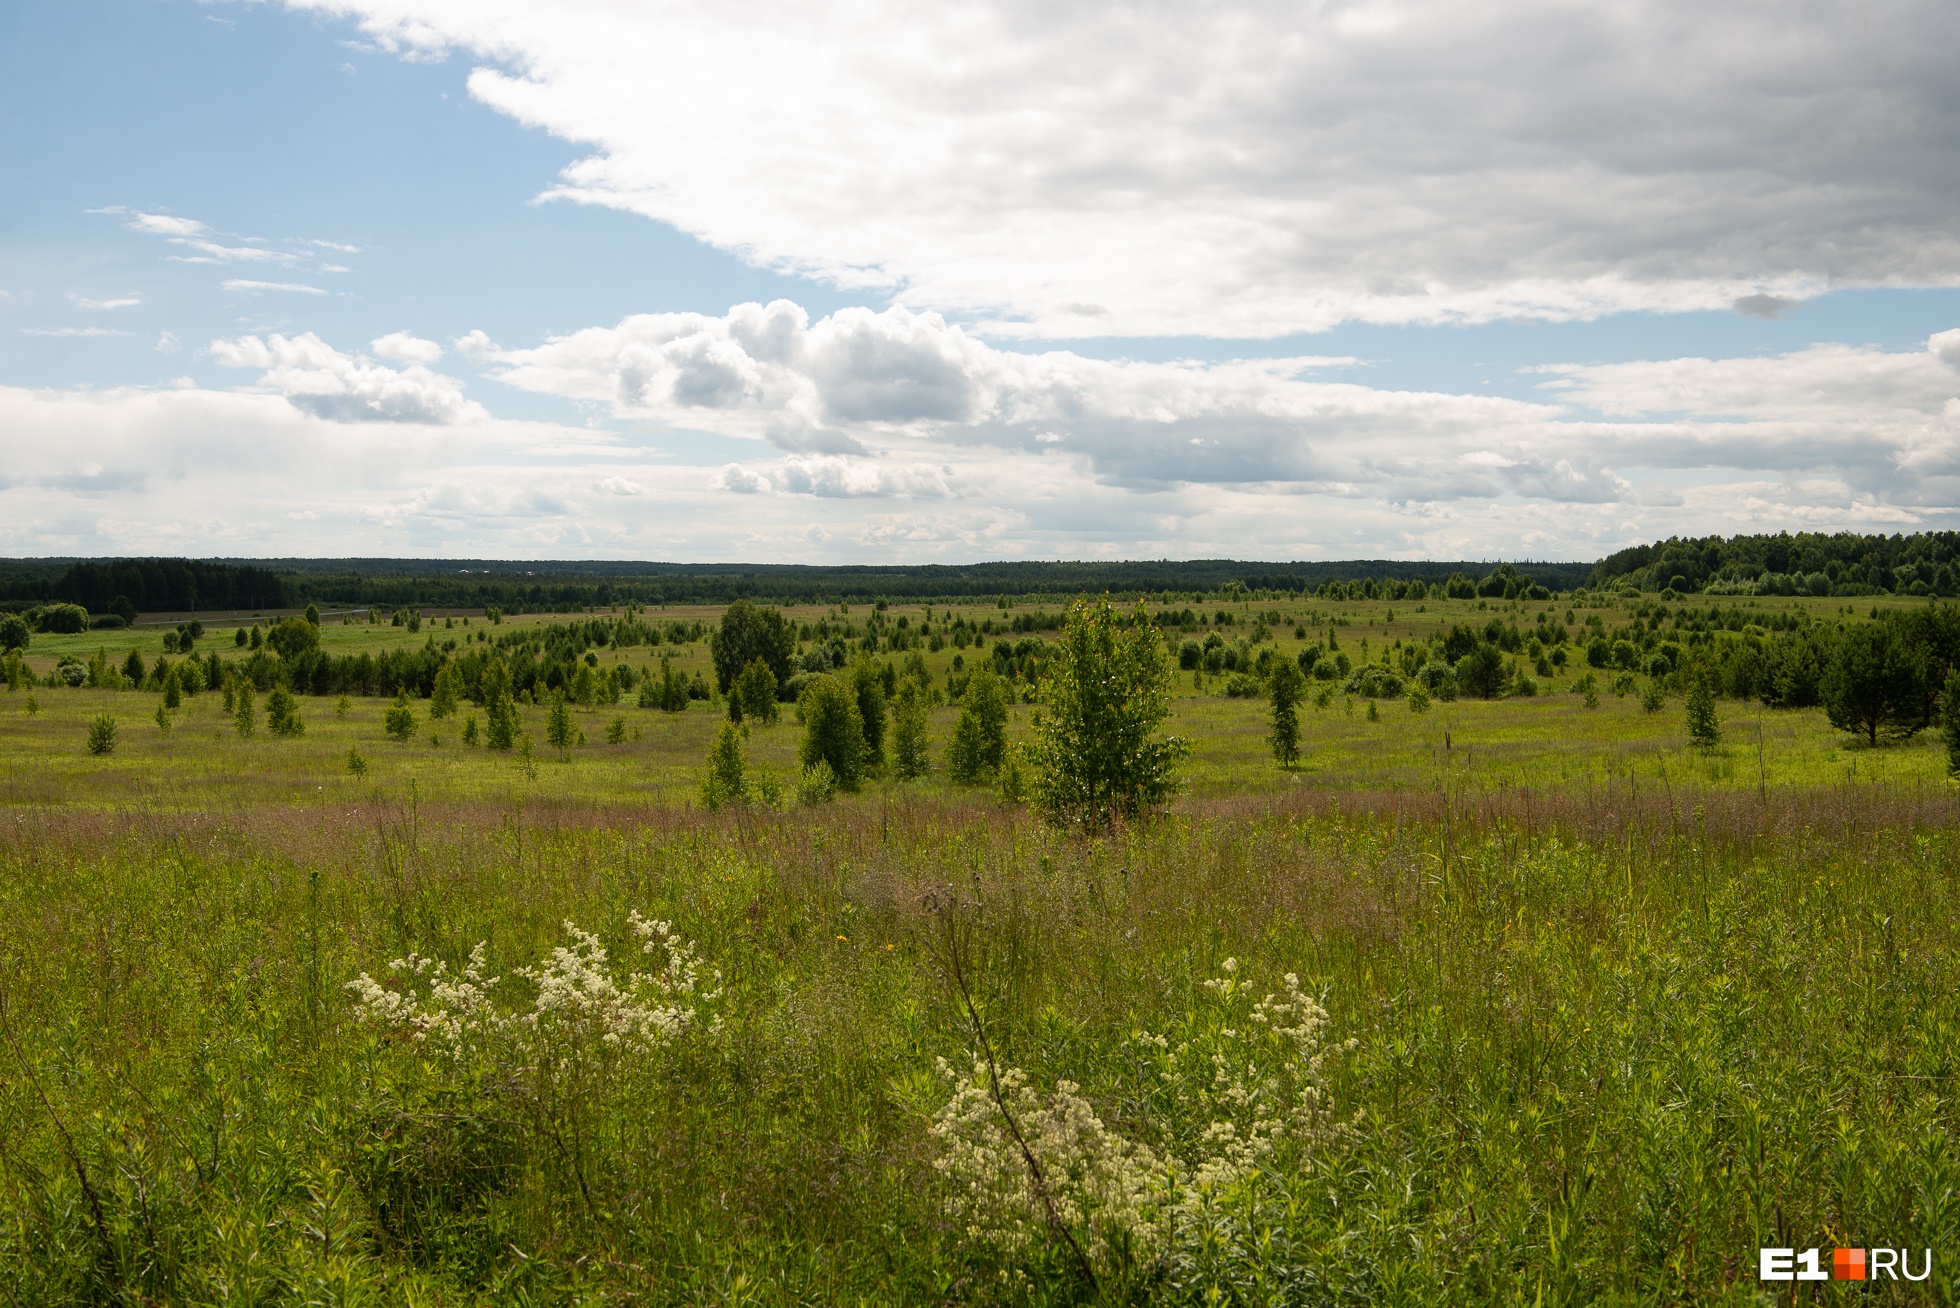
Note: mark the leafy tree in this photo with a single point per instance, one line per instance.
(1287, 687)
(833, 730)
(13, 632)
(753, 694)
(443, 696)
(1094, 755)
(910, 752)
(868, 684)
(559, 732)
(400, 721)
(668, 693)
(60, 619)
(1873, 684)
(616, 732)
(257, 637)
(313, 615)
(102, 735)
(133, 670)
(980, 734)
(749, 632)
(1949, 718)
(244, 718)
(727, 779)
(238, 638)
(173, 689)
(585, 686)
(282, 713)
(1703, 729)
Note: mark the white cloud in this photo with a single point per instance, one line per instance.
(1254, 167)
(121, 302)
(619, 486)
(73, 331)
(317, 379)
(241, 284)
(404, 347)
(160, 224)
(167, 343)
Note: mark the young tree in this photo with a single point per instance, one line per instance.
(102, 735)
(1286, 687)
(400, 721)
(449, 685)
(1094, 754)
(244, 718)
(752, 697)
(727, 779)
(173, 689)
(559, 732)
(313, 615)
(749, 632)
(500, 707)
(1703, 729)
(585, 686)
(910, 753)
(980, 734)
(833, 730)
(133, 670)
(13, 632)
(291, 638)
(1949, 716)
(868, 684)
(1873, 684)
(282, 713)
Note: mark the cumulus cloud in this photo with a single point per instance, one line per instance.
(318, 379)
(1254, 167)
(405, 347)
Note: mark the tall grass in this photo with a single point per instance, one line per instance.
(1608, 1040)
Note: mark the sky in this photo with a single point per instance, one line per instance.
(873, 282)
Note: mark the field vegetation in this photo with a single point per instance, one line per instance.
(1547, 948)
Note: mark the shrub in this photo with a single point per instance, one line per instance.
(868, 688)
(726, 781)
(13, 633)
(616, 732)
(173, 689)
(163, 719)
(293, 637)
(753, 694)
(282, 713)
(833, 730)
(1094, 755)
(1949, 715)
(469, 729)
(910, 755)
(400, 721)
(102, 735)
(59, 619)
(355, 763)
(980, 733)
(559, 732)
(816, 784)
(1653, 698)
(1702, 727)
(443, 696)
(244, 718)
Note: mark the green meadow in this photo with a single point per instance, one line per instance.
(1523, 1000)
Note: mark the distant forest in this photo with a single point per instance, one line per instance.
(1810, 564)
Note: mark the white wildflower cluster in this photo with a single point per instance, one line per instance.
(1252, 1075)
(455, 1013)
(576, 995)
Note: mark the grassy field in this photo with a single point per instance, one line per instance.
(1583, 1013)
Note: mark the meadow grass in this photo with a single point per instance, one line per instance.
(1605, 1013)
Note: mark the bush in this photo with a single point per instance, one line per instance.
(102, 735)
(282, 713)
(910, 756)
(400, 721)
(13, 633)
(1702, 726)
(727, 781)
(1094, 755)
(753, 694)
(980, 734)
(1483, 672)
(817, 784)
(293, 637)
(833, 730)
(559, 732)
(59, 619)
(244, 718)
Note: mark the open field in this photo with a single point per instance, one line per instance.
(1604, 1012)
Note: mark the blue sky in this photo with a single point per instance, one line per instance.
(1010, 337)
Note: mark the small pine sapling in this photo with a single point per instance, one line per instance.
(726, 782)
(102, 735)
(400, 721)
(1703, 729)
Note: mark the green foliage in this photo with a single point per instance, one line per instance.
(911, 752)
(749, 632)
(980, 732)
(1949, 720)
(133, 670)
(833, 730)
(1483, 672)
(616, 732)
(162, 719)
(1093, 753)
(313, 615)
(244, 717)
(816, 784)
(447, 690)
(502, 723)
(726, 781)
(1286, 688)
(1873, 684)
(668, 693)
(400, 719)
(282, 713)
(173, 689)
(292, 638)
(13, 632)
(102, 734)
(559, 732)
(58, 619)
(355, 763)
(1653, 697)
(470, 733)
(752, 695)
(868, 686)
(1703, 728)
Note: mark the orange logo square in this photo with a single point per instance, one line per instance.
(1848, 1265)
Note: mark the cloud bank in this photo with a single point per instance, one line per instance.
(1256, 167)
